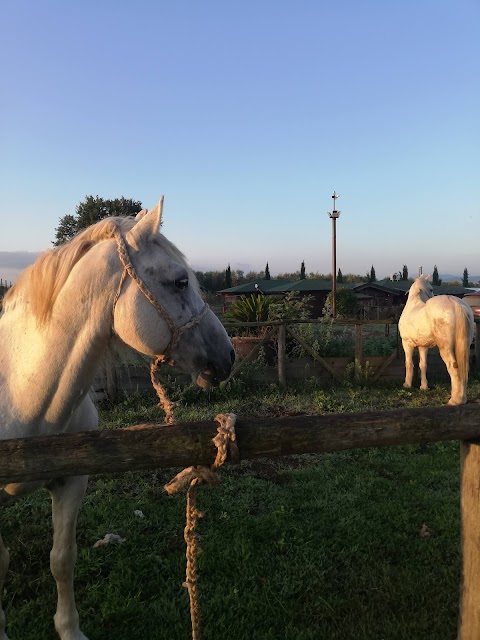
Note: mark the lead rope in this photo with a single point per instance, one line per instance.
(165, 403)
(225, 440)
(226, 444)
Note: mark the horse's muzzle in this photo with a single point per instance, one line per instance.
(212, 375)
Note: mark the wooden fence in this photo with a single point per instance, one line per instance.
(326, 369)
(329, 368)
(136, 377)
(153, 446)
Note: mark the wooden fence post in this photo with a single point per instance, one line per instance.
(358, 350)
(469, 622)
(282, 359)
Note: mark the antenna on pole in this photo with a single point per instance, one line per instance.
(333, 216)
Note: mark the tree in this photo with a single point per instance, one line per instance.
(211, 280)
(228, 277)
(371, 277)
(302, 271)
(91, 210)
(435, 279)
(346, 303)
(267, 272)
(405, 272)
(340, 277)
(238, 277)
(465, 278)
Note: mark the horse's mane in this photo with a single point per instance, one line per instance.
(41, 282)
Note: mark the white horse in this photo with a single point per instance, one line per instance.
(118, 277)
(443, 321)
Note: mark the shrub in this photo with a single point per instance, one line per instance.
(250, 309)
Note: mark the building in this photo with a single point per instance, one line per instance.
(376, 300)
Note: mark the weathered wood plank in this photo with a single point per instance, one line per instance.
(469, 621)
(251, 356)
(154, 446)
(385, 364)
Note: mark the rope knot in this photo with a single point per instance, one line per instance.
(226, 443)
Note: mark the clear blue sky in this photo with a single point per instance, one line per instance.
(247, 115)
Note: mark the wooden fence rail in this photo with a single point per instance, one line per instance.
(153, 446)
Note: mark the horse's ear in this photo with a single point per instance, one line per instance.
(427, 277)
(140, 214)
(147, 226)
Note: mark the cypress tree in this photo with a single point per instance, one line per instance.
(465, 277)
(340, 277)
(435, 279)
(302, 271)
(405, 272)
(267, 272)
(228, 277)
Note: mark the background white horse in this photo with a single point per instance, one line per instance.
(119, 276)
(443, 321)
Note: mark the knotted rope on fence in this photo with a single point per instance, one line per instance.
(226, 444)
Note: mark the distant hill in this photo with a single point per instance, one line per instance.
(448, 277)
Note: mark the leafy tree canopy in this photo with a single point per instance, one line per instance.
(91, 210)
(346, 303)
(212, 280)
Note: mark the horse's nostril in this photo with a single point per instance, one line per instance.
(232, 356)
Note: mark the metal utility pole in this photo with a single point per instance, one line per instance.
(334, 215)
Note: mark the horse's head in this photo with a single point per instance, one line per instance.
(421, 288)
(159, 310)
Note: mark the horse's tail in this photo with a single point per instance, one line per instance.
(463, 338)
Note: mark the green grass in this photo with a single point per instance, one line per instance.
(315, 547)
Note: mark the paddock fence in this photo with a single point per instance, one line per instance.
(153, 446)
(280, 366)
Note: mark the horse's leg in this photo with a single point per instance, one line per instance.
(67, 495)
(423, 352)
(408, 364)
(4, 561)
(458, 394)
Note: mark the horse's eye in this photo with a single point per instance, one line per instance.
(182, 283)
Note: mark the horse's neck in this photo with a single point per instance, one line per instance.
(416, 301)
(51, 367)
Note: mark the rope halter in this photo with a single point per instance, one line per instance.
(129, 269)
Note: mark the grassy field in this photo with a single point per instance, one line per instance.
(358, 545)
